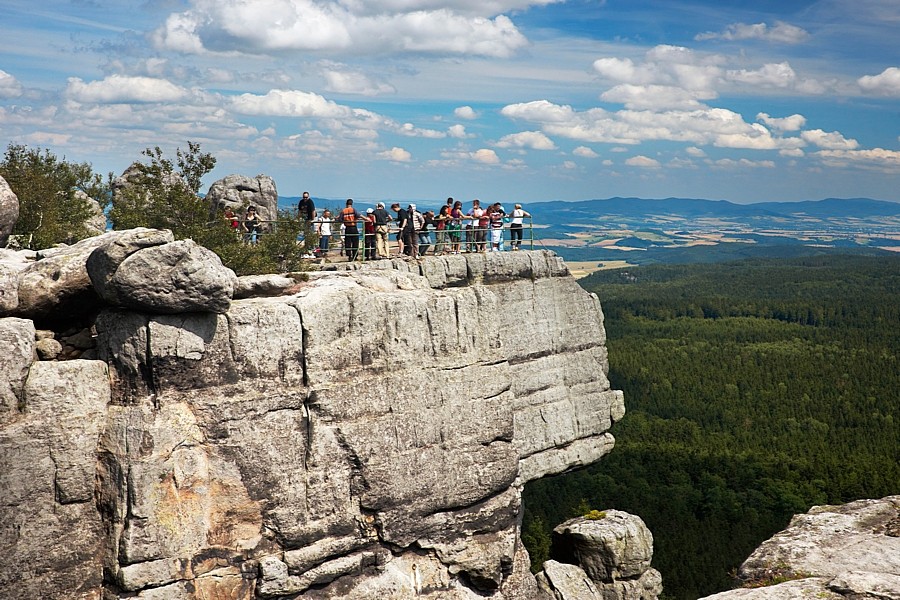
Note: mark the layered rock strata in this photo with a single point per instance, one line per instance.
(365, 436)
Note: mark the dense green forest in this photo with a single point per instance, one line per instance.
(755, 390)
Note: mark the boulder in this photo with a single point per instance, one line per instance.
(615, 546)
(102, 264)
(9, 211)
(255, 286)
(237, 192)
(175, 277)
(57, 284)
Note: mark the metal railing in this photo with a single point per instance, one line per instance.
(452, 239)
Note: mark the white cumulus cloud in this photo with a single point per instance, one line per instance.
(396, 154)
(356, 27)
(584, 152)
(527, 139)
(123, 89)
(486, 156)
(465, 112)
(791, 123)
(643, 162)
(886, 83)
(9, 86)
(829, 141)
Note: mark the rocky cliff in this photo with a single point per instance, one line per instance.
(364, 434)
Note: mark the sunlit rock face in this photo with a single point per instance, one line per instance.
(365, 436)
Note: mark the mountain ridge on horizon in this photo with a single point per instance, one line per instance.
(835, 206)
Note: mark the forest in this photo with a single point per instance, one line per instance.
(755, 390)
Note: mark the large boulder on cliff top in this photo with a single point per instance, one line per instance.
(56, 285)
(237, 192)
(168, 278)
(9, 211)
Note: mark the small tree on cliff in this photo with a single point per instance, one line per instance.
(50, 209)
(160, 196)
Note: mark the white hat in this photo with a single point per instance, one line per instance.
(370, 210)
(412, 206)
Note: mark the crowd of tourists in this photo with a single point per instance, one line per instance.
(416, 233)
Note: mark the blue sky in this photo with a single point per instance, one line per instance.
(513, 100)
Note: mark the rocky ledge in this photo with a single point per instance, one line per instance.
(364, 434)
(847, 552)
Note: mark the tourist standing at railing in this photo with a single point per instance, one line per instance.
(402, 215)
(306, 210)
(323, 228)
(478, 221)
(230, 217)
(410, 228)
(382, 218)
(495, 216)
(469, 228)
(252, 225)
(369, 234)
(456, 216)
(349, 217)
(425, 233)
(440, 224)
(515, 226)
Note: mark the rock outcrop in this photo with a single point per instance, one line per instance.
(143, 269)
(849, 552)
(237, 192)
(9, 211)
(605, 557)
(365, 436)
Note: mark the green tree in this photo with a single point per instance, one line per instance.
(163, 194)
(51, 210)
(159, 196)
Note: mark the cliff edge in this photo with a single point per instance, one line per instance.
(366, 434)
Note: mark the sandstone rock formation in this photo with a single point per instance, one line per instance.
(366, 436)
(139, 268)
(239, 191)
(9, 211)
(607, 557)
(849, 552)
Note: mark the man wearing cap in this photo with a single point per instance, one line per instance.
(381, 231)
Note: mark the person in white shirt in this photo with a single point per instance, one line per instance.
(323, 228)
(515, 226)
